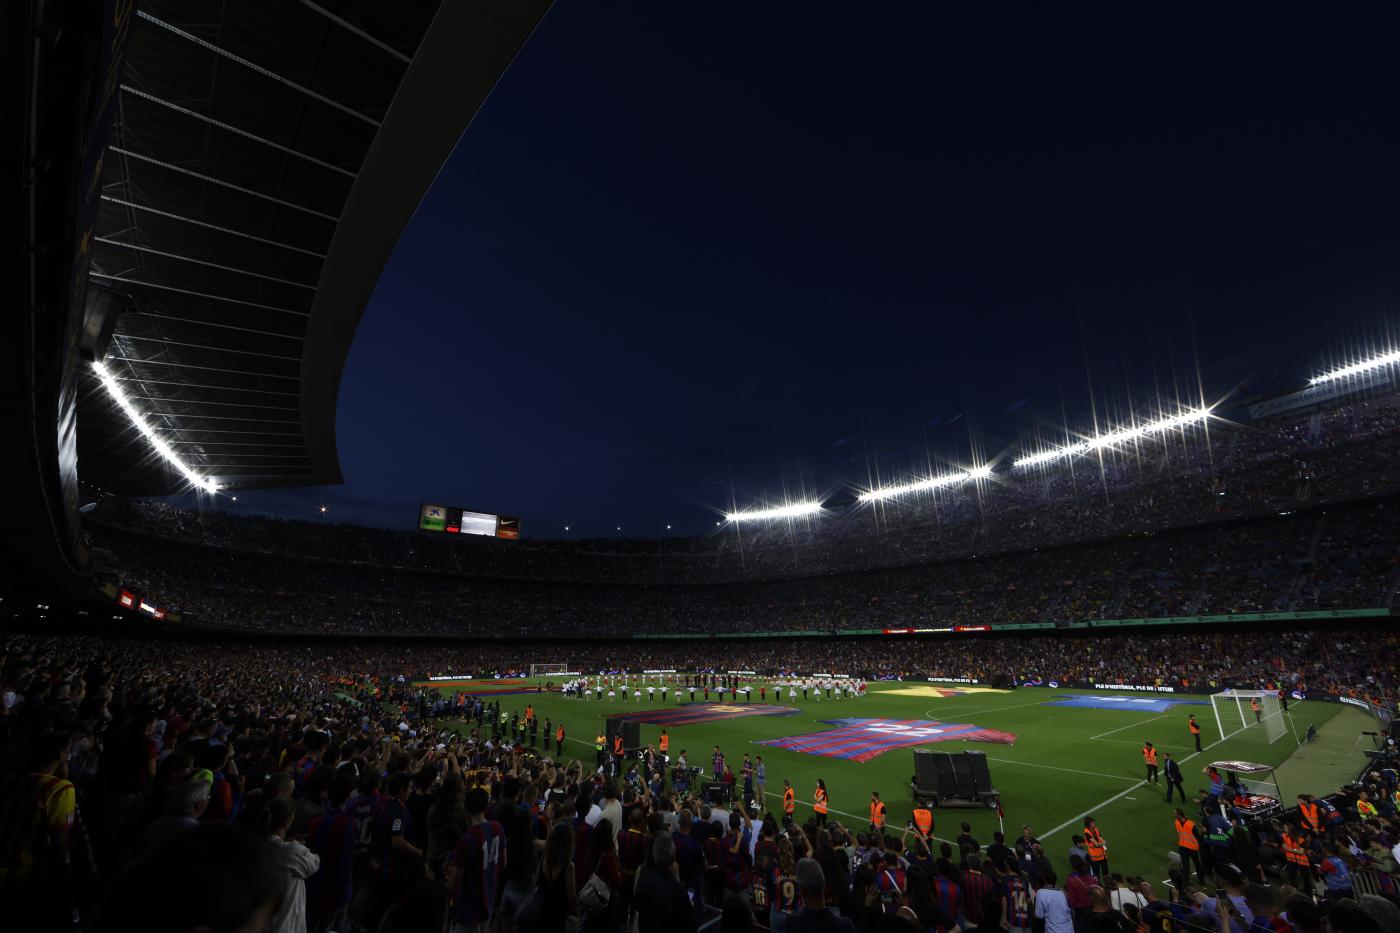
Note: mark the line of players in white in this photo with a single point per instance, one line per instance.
(613, 688)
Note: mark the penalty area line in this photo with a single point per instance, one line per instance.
(1131, 726)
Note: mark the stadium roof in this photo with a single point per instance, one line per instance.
(265, 160)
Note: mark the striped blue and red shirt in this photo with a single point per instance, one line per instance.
(948, 895)
(478, 860)
(333, 837)
(1018, 902)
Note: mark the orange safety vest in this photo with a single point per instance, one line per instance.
(1365, 809)
(1293, 850)
(1186, 835)
(924, 820)
(617, 745)
(789, 804)
(1195, 727)
(529, 713)
(1311, 818)
(877, 814)
(820, 805)
(1093, 841)
(665, 742)
(559, 734)
(1149, 755)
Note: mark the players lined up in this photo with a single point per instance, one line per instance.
(712, 688)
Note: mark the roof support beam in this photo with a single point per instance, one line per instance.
(200, 346)
(350, 27)
(229, 127)
(208, 226)
(196, 385)
(190, 320)
(186, 291)
(170, 166)
(285, 82)
(126, 244)
(211, 369)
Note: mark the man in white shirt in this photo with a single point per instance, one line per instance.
(1052, 907)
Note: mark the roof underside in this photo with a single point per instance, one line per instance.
(246, 130)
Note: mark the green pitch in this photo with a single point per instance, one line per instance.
(1066, 761)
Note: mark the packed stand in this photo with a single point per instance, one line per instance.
(1337, 558)
(307, 788)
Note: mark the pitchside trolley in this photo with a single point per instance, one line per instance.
(952, 779)
(1258, 798)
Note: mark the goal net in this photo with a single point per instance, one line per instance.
(544, 670)
(1252, 715)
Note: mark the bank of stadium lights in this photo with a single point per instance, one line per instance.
(1357, 369)
(881, 493)
(1114, 438)
(114, 389)
(791, 510)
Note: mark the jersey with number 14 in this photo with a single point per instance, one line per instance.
(477, 861)
(1018, 902)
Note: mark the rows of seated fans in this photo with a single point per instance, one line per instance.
(1336, 558)
(192, 785)
(1158, 483)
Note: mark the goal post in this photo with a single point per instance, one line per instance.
(545, 670)
(1251, 715)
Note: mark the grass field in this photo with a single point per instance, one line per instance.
(1065, 761)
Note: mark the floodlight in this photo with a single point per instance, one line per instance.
(792, 510)
(114, 389)
(882, 493)
(1356, 369)
(1113, 438)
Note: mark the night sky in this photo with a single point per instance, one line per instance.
(695, 254)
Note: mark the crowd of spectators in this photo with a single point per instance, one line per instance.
(299, 787)
(1342, 557)
(1168, 481)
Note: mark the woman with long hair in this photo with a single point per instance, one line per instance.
(819, 803)
(782, 887)
(447, 820)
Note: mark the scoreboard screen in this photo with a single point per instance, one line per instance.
(457, 521)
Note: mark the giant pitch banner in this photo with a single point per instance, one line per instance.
(864, 739)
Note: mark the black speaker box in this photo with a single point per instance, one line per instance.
(925, 770)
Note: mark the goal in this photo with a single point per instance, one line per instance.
(1236, 715)
(544, 670)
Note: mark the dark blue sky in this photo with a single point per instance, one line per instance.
(689, 248)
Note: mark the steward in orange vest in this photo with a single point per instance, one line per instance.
(923, 821)
(1187, 845)
(1195, 728)
(1295, 852)
(1098, 849)
(1149, 757)
(789, 802)
(877, 812)
(1309, 813)
(819, 802)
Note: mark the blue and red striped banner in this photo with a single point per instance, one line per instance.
(863, 739)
